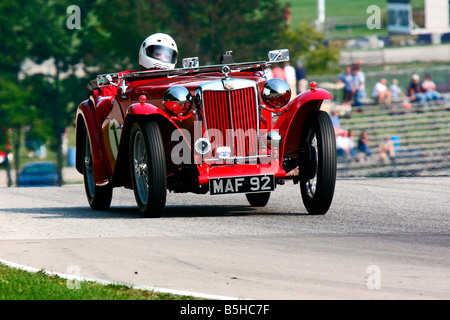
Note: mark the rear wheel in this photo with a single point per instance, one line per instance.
(318, 176)
(148, 169)
(99, 197)
(259, 199)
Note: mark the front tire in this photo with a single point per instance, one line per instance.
(318, 179)
(99, 197)
(148, 168)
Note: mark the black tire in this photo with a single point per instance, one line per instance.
(99, 197)
(148, 169)
(259, 199)
(318, 176)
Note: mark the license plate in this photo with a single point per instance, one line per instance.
(245, 184)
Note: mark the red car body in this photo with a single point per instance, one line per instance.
(217, 129)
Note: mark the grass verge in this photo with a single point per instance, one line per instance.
(16, 284)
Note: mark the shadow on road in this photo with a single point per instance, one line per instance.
(171, 211)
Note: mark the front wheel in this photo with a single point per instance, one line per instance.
(99, 197)
(148, 168)
(318, 179)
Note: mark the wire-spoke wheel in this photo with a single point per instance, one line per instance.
(148, 168)
(318, 179)
(99, 197)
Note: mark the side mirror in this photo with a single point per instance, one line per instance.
(279, 55)
(190, 62)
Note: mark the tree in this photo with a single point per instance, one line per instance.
(113, 31)
(208, 29)
(16, 34)
(13, 114)
(307, 44)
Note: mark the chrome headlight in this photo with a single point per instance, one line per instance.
(276, 94)
(178, 102)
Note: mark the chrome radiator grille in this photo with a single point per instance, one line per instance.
(231, 118)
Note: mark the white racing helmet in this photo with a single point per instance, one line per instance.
(158, 51)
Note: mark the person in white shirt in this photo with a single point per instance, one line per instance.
(289, 72)
(345, 145)
(359, 81)
(395, 90)
(429, 88)
(381, 92)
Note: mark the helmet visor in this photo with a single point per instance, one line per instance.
(162, 53)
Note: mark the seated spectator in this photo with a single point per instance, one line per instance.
(386, 150)
(415, 91)
(381, 92)
(345, 146)
(429, 88)
(395, 90)
(363, 144)
(336, 123)
(351, 144)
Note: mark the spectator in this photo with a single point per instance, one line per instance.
(386, 150)
(345, 145)
(268, 73)
(363, 144)
(342, 145)
(429, 88)
(347, 80)
(278, 72)
(415, 91)
(336, 123)
(351, 144)
(290, 75)
(2, 157)
(395, 89)
(300, 74)
(381, 92)
(396, 92)
(359, 80)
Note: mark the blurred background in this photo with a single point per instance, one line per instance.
(51, 49)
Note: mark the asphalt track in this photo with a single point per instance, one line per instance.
(381, 239)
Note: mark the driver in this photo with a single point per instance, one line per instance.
(158, 51)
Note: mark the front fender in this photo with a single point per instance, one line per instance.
(86, 120)
(290, 124)
(142, 112)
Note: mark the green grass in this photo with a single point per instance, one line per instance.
(16, 284)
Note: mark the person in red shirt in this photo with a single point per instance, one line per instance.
(278, 72)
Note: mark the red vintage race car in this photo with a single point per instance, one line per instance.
(220, 129)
